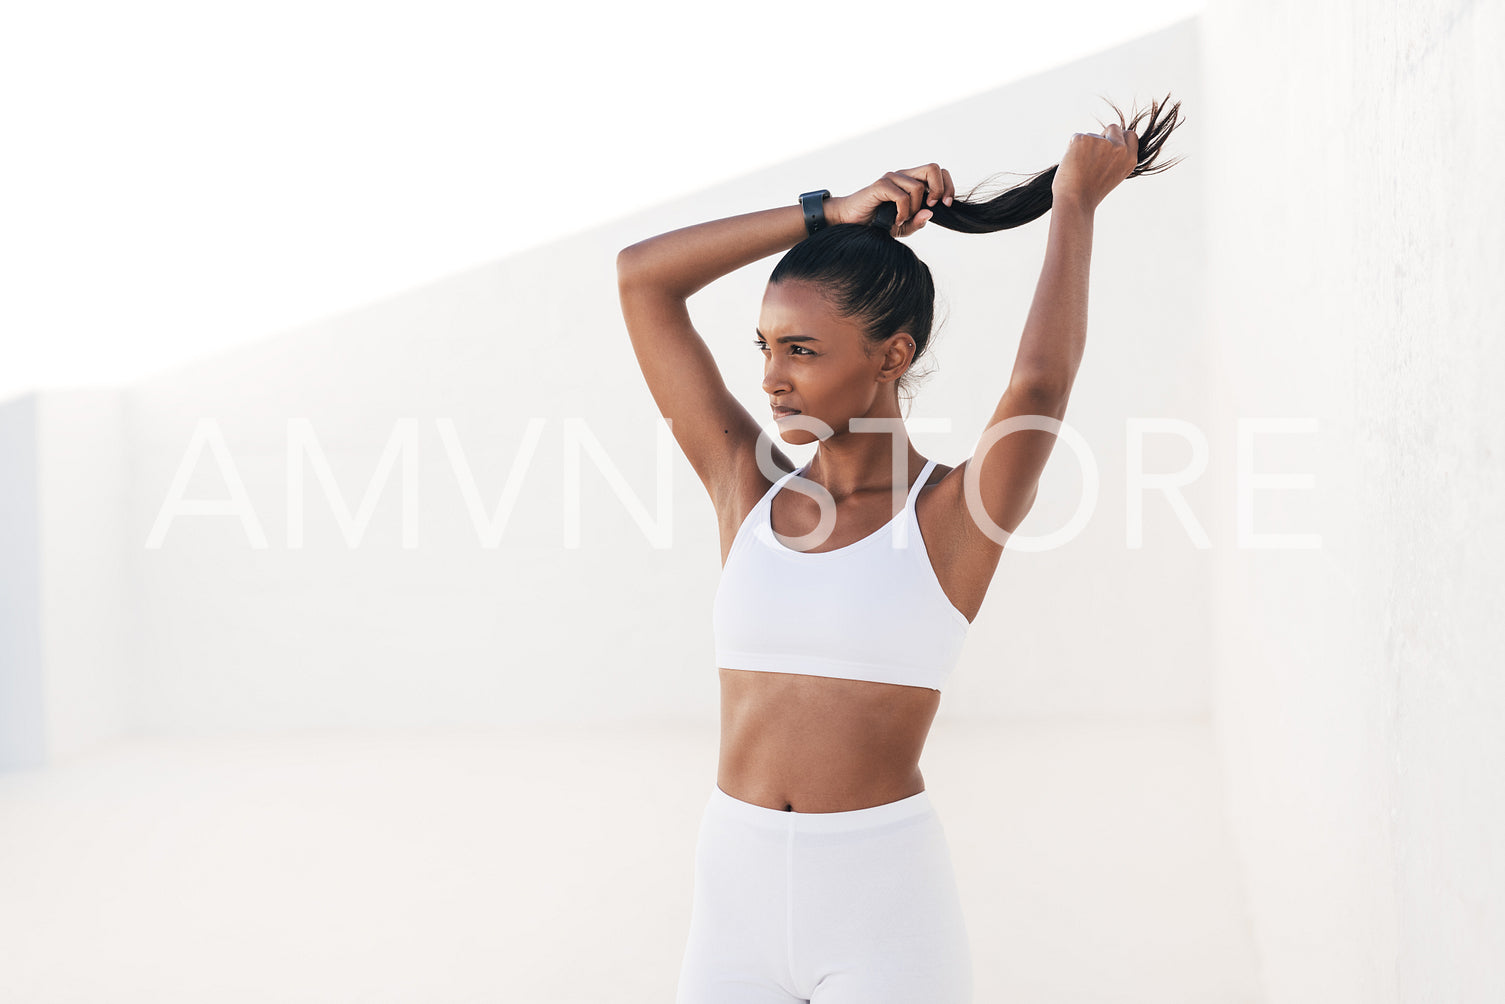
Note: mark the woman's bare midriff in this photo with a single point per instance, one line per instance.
(821, 744)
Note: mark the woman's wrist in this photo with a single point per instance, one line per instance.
(836, 210)
(1066, 204)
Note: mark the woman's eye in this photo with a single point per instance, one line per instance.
(763, 345)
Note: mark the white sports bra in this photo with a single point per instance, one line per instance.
(872, 610)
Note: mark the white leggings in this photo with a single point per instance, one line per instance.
(857, 907)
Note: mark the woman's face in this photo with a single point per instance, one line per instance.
(824, 370)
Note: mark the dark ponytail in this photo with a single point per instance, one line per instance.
(1030, 200)
(868, 274)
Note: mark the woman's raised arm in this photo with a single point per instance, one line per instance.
(1007, 464)
(654, 279)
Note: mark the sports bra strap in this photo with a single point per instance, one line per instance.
(914, 489)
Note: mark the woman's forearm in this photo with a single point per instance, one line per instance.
(1055, 333)
(685, 260)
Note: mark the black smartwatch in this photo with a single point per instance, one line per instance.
(814, 205)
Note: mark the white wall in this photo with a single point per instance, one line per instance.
(88, 621)
(23, 735)
(1354, 275)
(67, 632)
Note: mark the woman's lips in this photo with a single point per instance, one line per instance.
(784, 412)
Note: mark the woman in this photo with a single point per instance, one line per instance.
(822, 872)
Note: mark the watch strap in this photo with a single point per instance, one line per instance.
(814, 205)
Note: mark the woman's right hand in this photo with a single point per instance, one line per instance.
(1094, 164)
(912, 190)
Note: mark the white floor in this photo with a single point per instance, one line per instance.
(555, 866)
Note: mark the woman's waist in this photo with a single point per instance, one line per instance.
(821, 744)
(827, 787)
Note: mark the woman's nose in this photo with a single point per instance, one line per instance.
(773, 380)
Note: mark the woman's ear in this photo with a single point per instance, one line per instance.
(898, 355)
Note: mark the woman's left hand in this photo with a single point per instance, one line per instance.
(913, 191)
(1093, 166)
